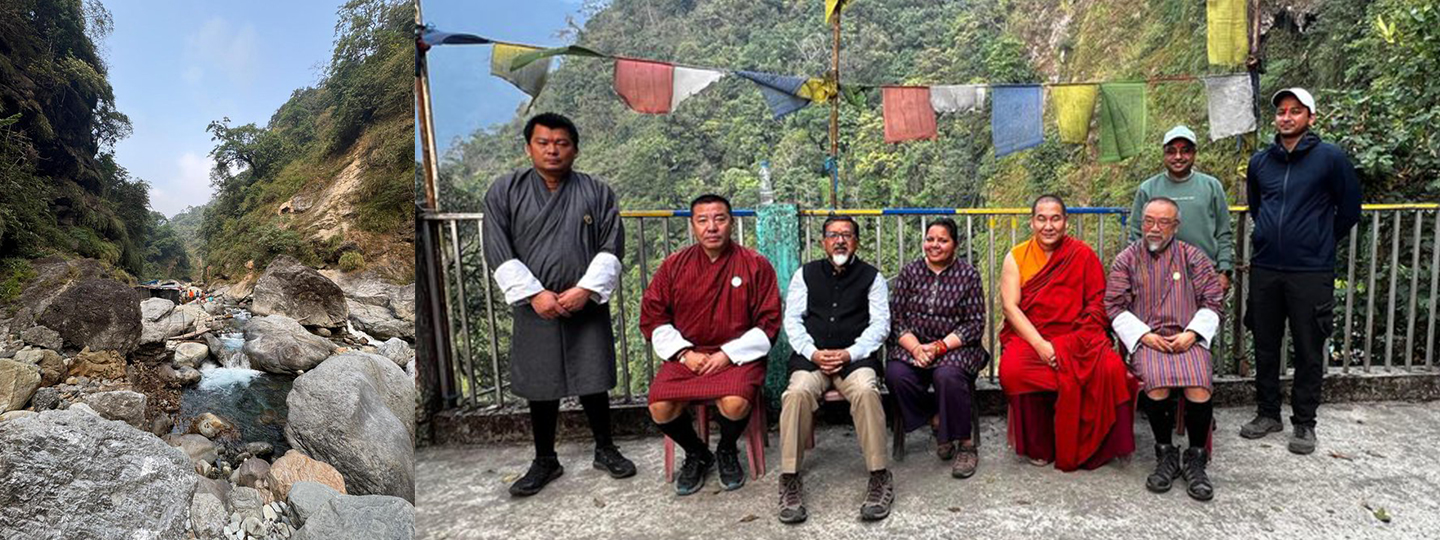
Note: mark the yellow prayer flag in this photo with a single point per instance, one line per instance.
(1228, 39)
(817, 90)
(1074, 105)
(833, 7)
(529, 79)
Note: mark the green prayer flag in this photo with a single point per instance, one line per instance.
(1122, 120)
(529, 78)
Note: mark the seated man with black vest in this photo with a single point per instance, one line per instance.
(837, 314)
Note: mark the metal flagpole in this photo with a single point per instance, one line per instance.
(835, 115)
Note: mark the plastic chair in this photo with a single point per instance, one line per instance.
(757, 437)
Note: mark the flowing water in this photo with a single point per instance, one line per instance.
(252, 400)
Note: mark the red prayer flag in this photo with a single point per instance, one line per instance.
(645, 86)
(908, 114)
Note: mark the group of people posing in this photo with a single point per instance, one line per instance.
(713, 310)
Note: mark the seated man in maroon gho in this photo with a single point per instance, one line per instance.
(1069, 391)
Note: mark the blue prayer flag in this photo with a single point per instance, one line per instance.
(1016, 118)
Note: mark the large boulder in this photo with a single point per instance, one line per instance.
(190, 354)
(279, 344)
(98, 365)
(69, 474)
(152, 309)
(356, 411)
(18, 381)
(195, 447)
(122, 405)
(297, 291)
(173, 322)
(295, 467)
(307, 498)
(98, 314)
(396, 349)
(208, 516)
(378, 321)
(43, 337)
(374, 517)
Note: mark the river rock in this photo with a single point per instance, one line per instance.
(207, 516)
(378, 321)
(297, 291)
(67, 474)
(52, 366)
(375, 517)
(307, 498)
(294, 467)
(211, 425)
(179, 321)
(252, 470)
(43, 337)
(196, 447)
(190, 354)
(182, 377)
(122, 405)
(279, 344)
(45, 398)
(246, 501)
(18, 381)
(153, 309)
(396, 349)
(99, 314)
(12, 415)
(98, 365)
(356, 412)
(259, 449)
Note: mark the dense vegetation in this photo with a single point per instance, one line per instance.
(359, 113)
(61, 191)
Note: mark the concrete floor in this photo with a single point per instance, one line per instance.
(1374, 458)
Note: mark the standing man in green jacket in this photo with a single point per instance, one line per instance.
(1200, 197)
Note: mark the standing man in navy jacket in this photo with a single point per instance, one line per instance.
(1304, 198)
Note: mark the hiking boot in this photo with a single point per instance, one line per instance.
(732, 475)
(541, 472)
(945, 450)
(1260, 427)
(1167, 468)
(792, 501)
(878, 496)
(1200, 488)
(966, 459)
(1303, 440)
(692, 473)
(608, 459)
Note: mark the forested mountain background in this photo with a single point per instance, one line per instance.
(1366, 61)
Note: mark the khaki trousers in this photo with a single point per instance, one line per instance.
(802, 398)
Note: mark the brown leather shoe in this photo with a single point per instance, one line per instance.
(967, 458)
(945, 450)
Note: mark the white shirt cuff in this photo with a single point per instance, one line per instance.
(1130, 329)
(517, 282)
(601, 277)
(1204, 324)
(807, 350)
(750, 346)
(667, 341)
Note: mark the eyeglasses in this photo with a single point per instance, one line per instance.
(831, 235)
(1163, 222)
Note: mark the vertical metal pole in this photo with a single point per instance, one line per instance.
(624, 340)
(1350, 300)
(1394, 274)
(969, 239)
(835, 117)
(490, 315)
(1245, 363)
(465, 314)
(1434, 290)
(740, 228)
(900, 240)
(1414, 292)
(990, 291)
(645, 284)
(1370, 290)
(1100, 245)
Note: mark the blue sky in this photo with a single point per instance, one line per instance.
(177, 65)
(465, 96)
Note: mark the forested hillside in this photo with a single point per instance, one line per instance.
(1367, 62)
(328, 179)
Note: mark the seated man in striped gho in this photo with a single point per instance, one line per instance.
(1164, 299)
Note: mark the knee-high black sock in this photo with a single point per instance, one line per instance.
(1198, 418)
(543, 416)
(730, 431)
(597, 411)
(683, 433)
(1161, 414)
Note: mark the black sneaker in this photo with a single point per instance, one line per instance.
(1167, 468)
(732, 475)
(792, 501)
(878, 496)
(1303, 440)
(1260, 427)
(608, 459)
(541, 472)
(1200, 488)
(692, 473)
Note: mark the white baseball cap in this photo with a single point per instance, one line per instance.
(1178, 132)
(1300, 93)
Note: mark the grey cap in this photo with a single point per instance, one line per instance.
(1300, 94)
(1178, 132)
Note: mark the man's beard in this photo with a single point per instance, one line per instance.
(840, 258)
(1157, 246)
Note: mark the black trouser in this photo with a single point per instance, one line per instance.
(1307, 301)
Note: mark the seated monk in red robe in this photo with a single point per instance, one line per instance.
(1069, 391)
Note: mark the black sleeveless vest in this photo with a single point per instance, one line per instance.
(837, 311)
